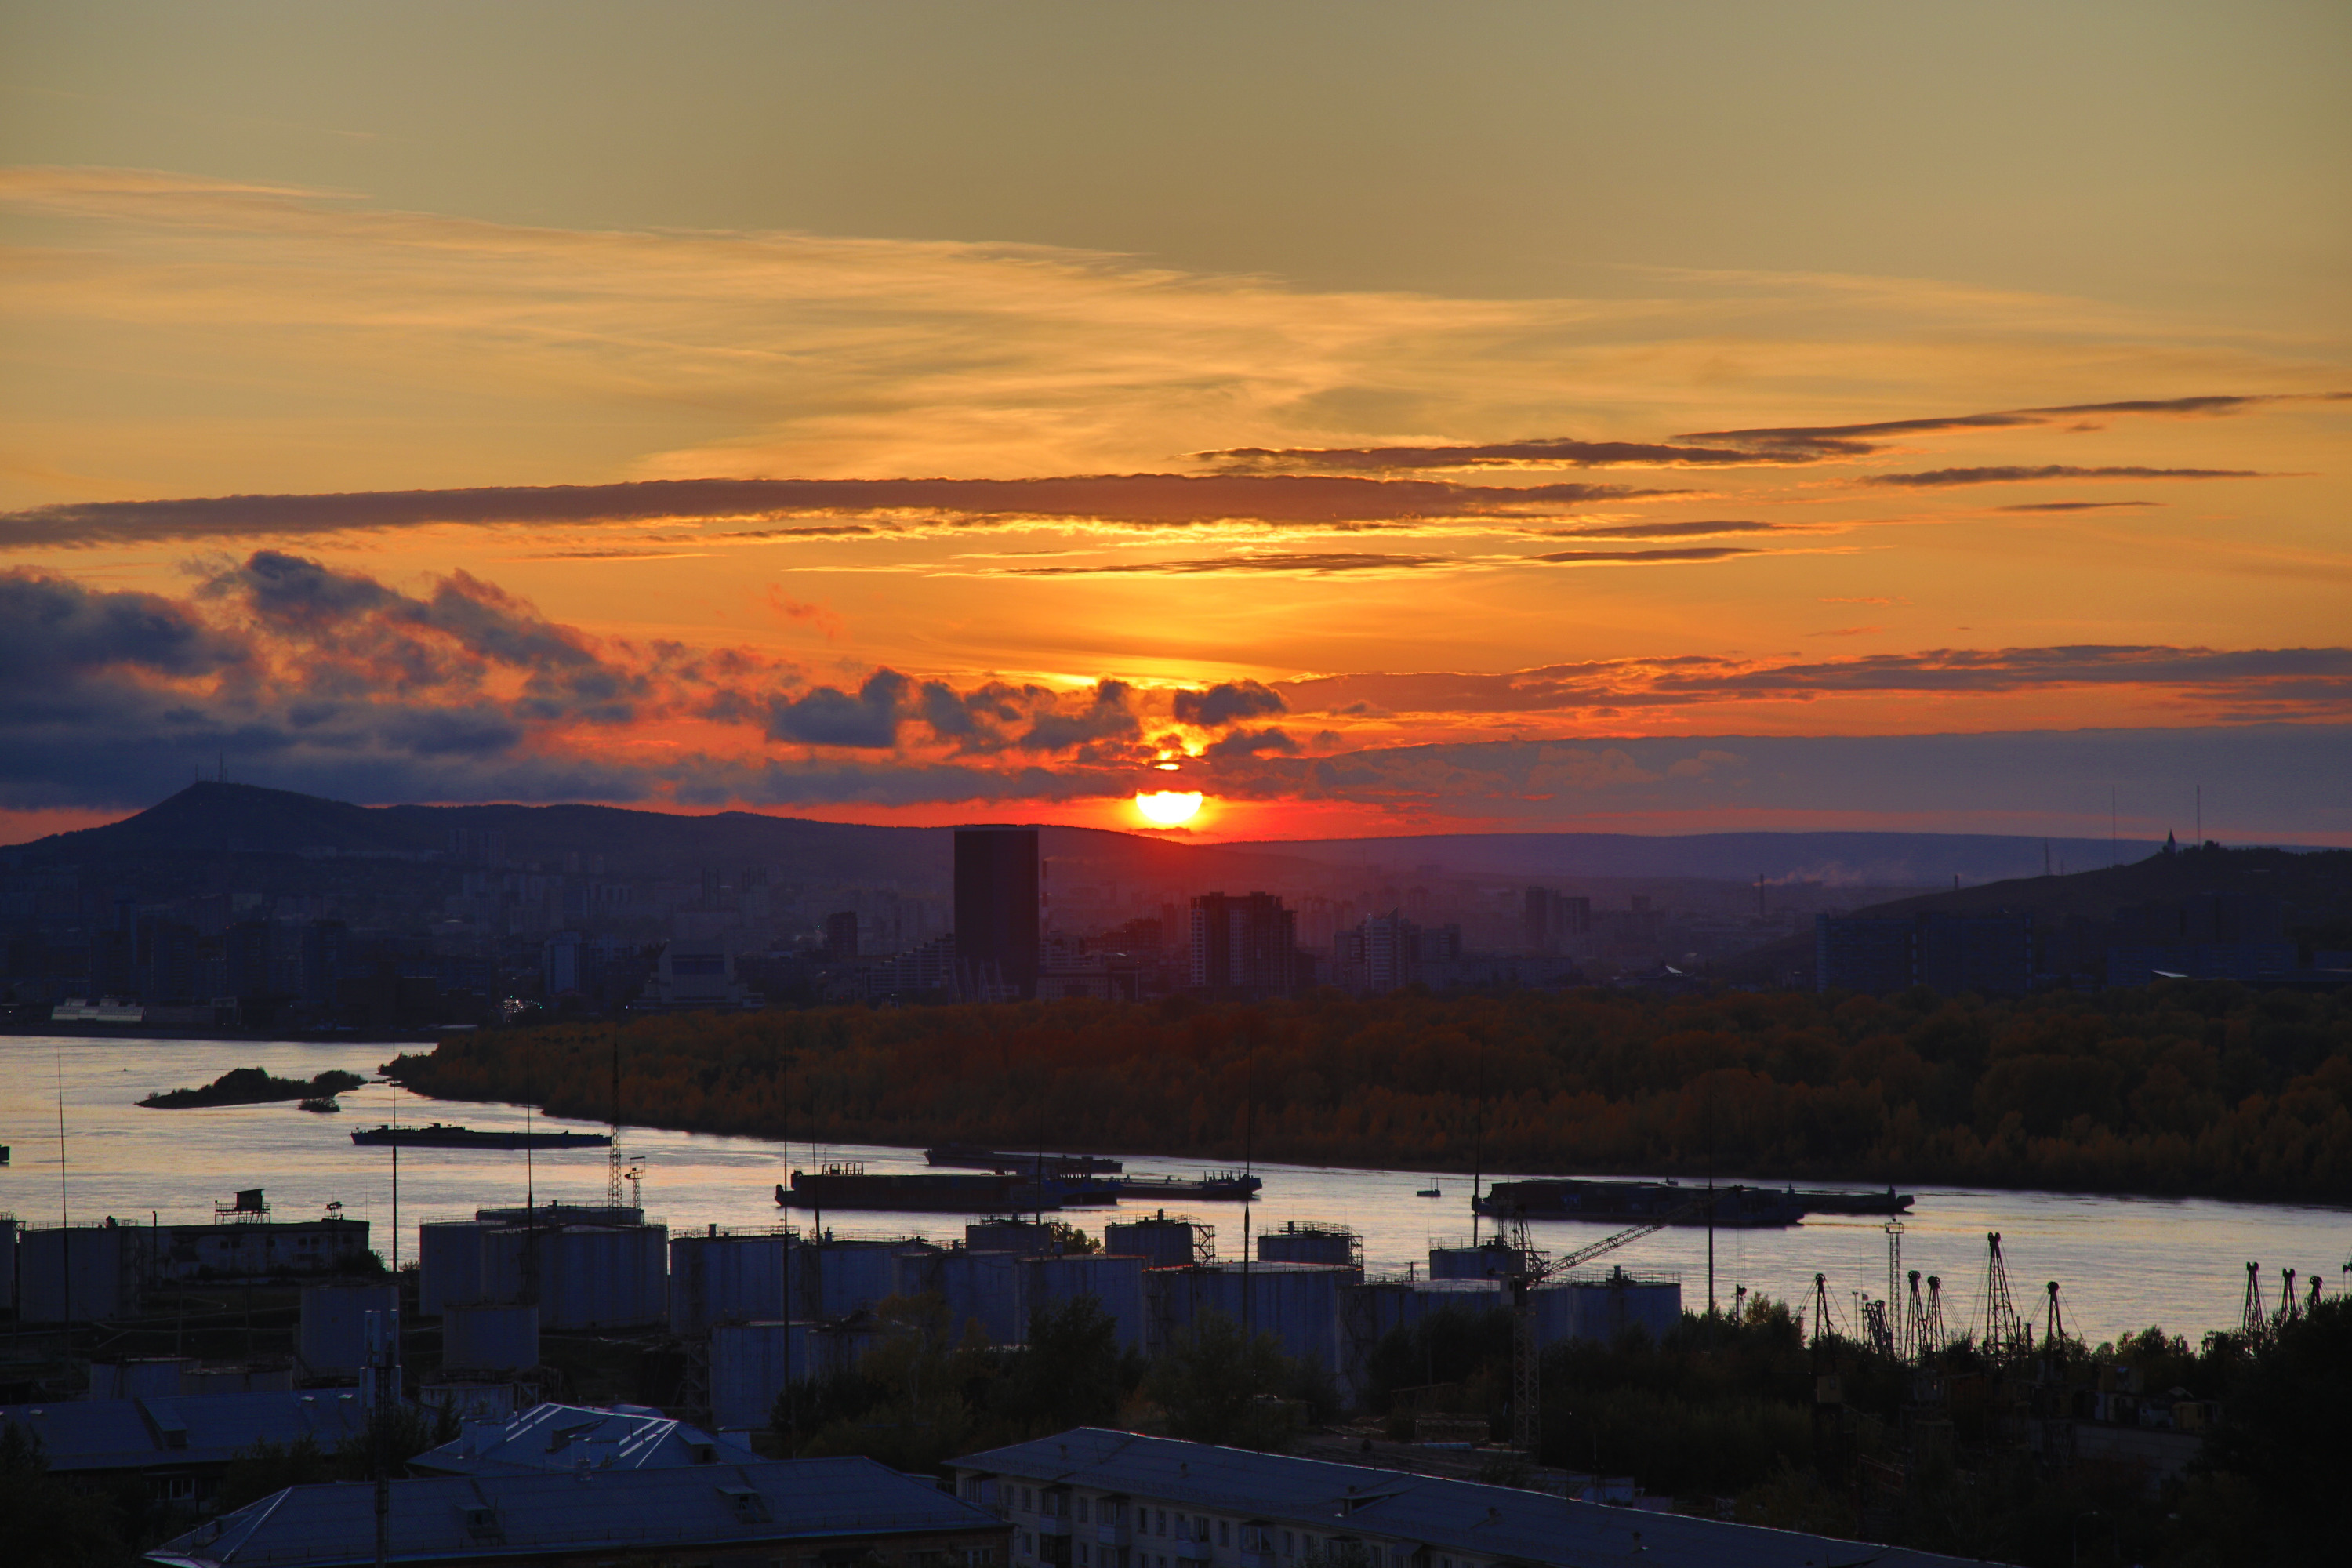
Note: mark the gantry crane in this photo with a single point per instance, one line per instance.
(1530, 1270)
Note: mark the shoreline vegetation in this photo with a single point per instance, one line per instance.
(2186, 1088)
(253, 1086)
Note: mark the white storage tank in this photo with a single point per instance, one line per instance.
(334, 1326)
(1494, 1260)
(725, 1277)
(1310, 1241)
(1030, 1239)
(1603, 1307)
(983, 1287)
(449, 1257)
(581, 1276)
(1297, 1304)
(1117, 1282)
(481, 1338)
(1161, 1242)
(750, 1364)
(72, 1274)
(833, 1279)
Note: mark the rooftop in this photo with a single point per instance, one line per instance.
(574, 1436)
(1487, 1524)
(182, 1428)
(438, 1518)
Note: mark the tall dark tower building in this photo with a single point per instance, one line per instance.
(996, 910)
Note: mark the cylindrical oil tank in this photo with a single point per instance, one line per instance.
(833, 1279)
(1160, 1241)
(720, 1277)
(1305, 1241)
(1297, 1304)
(1027, 1238)
(1488, 1260)
(334, 1326)
(449, 1254)
(1115, 1281)
(581, 1276)
(1601, 1309)
(750, 1364)
(983, 1287)
(142, 1377)
(490, 1338)
(72, 1274)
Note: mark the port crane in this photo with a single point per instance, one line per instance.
(1530, 1269)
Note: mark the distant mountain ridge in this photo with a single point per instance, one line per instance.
(212, 818)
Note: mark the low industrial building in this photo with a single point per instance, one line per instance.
(1096, 1498)
(803, 1514)
(94, 1273)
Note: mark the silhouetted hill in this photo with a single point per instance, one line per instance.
(2314, 885)
(212, 819)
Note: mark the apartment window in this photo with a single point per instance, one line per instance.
(1163, 1523)
(1201, 1528)
(1290, 1546)
(1221, 1532)
(1082, 1510)
(1083, 1561)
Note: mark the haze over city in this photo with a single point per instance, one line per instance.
(893, 783)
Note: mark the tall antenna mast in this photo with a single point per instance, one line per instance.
(612, 1152)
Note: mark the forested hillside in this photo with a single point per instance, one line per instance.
(2190, 1087)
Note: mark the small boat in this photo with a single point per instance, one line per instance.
(1428, 1192)
(434, 1136)
(322, 1103)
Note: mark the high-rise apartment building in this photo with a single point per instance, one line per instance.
(1245, 945)
(996, 912)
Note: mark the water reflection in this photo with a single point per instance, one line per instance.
(2123, 1263)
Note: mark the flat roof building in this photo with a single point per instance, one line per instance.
(795, 1511)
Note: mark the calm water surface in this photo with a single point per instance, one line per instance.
(2123, 1263)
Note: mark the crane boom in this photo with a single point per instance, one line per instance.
(1630, 1233)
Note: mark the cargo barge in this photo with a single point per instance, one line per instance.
(434, 1136)
(1828, 1200)
(848, 1186)
(972, 1156)
(1221, 1186)
(1638, 1202)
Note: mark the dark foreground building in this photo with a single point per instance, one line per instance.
(1096, 1498)
(802, 1513)
(996, 912)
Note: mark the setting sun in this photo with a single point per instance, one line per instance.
(1168, 807)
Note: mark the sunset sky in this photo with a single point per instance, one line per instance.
(1376, 417)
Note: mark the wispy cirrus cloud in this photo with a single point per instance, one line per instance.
(1943, 479)
(898, 506)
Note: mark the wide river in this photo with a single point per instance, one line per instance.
(2123, 1263)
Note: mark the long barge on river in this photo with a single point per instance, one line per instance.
(434, 1136)
(1640, 1203)
(972, 1156)
(847, 1186)
(1219, 1186)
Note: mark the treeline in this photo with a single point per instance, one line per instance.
(2185, 1088)
(1724, 1408)
(924, 1395)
